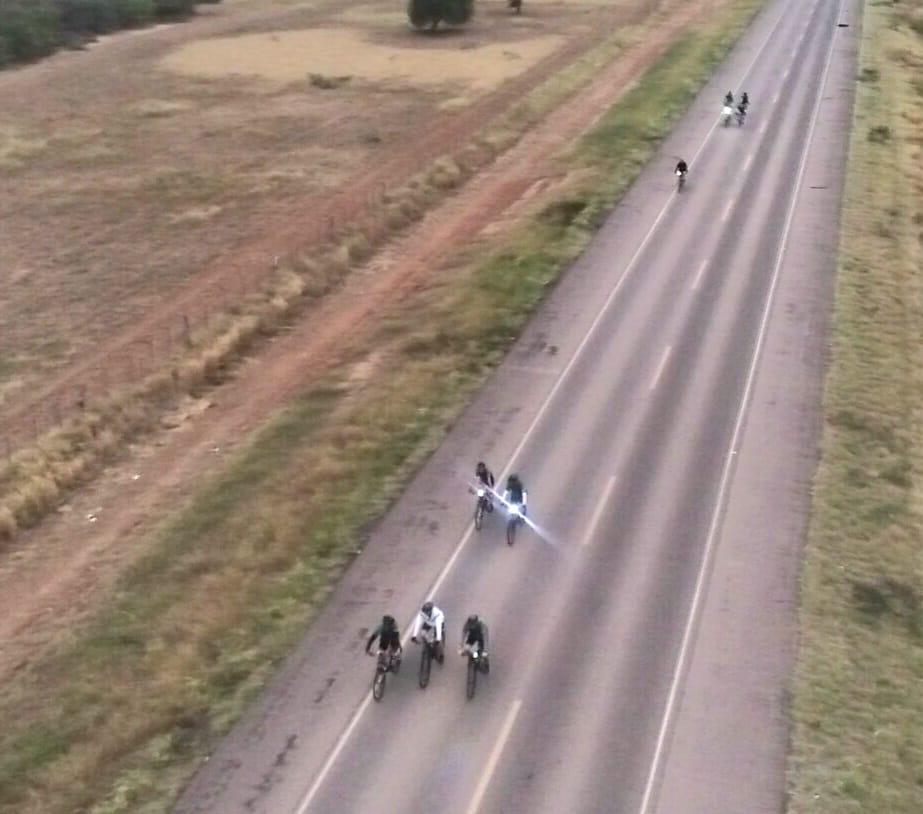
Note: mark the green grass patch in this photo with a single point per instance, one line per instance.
(116, 720)
(857, 705)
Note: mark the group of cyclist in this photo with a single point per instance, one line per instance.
(429, 623)
(743, 103)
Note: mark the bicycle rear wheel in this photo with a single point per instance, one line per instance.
(472, 677)
(479, 515)
(511, 532)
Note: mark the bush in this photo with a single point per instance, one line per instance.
(87, 16)
(173, 8)
(134, 12)
(28, 30)
(429, 13)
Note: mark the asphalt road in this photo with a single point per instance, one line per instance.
(664, 398)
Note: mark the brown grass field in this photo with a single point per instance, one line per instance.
(136, 200)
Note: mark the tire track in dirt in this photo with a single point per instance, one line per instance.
(57, 573)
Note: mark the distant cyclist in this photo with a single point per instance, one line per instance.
(744, 101)
(681, 168)
(728, 99)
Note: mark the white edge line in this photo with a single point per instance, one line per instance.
(748, 162)
(341, 741)
(699, 273)
(727, 210)
(725, 476)
(763, 127)
(598, 512)
(494, 758)
(661, 366)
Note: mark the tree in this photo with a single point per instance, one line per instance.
(429, 13)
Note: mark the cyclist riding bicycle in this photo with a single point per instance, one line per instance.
(475, 634)
(728, 99)
(516, 494)
(430, 624)
(389, 637)
(485, 478)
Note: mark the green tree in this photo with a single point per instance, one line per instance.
(429, 13)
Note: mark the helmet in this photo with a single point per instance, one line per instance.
(481, 468)
(473, 619)
(427, 608)
(513, 479)
(388, 622)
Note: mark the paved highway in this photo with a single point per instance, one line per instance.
(639, 447)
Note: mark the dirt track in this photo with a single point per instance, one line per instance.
(57, 572)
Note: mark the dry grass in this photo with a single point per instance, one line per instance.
(857, 707)
(125, 184)
(70, 456)
(233, 578)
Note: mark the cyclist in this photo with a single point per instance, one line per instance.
(430, 623)
(516, 494)
(681, 168)
(485, 478)
(728, 99)
(475, 634)
(744, 101)
(389, 638)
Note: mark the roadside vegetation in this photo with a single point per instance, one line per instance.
(31, 29)
(857, 704)
(116, 719)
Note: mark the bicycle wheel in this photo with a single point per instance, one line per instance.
(511, 532)
(472, 677)
(378, 685)
(426, 661)
(479, 515)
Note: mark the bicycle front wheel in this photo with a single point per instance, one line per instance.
(378, 685)
(472, 677)
(426, 661)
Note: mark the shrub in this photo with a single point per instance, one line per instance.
(28, 29)
(134, 12)
(429, 13)
(87, 16)
(173, 8)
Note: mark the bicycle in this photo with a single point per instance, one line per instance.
(482, 506)
(477, 663)
(430, 651)
(389, 661)
(516, 519)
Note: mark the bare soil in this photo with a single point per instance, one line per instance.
(59, 571)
